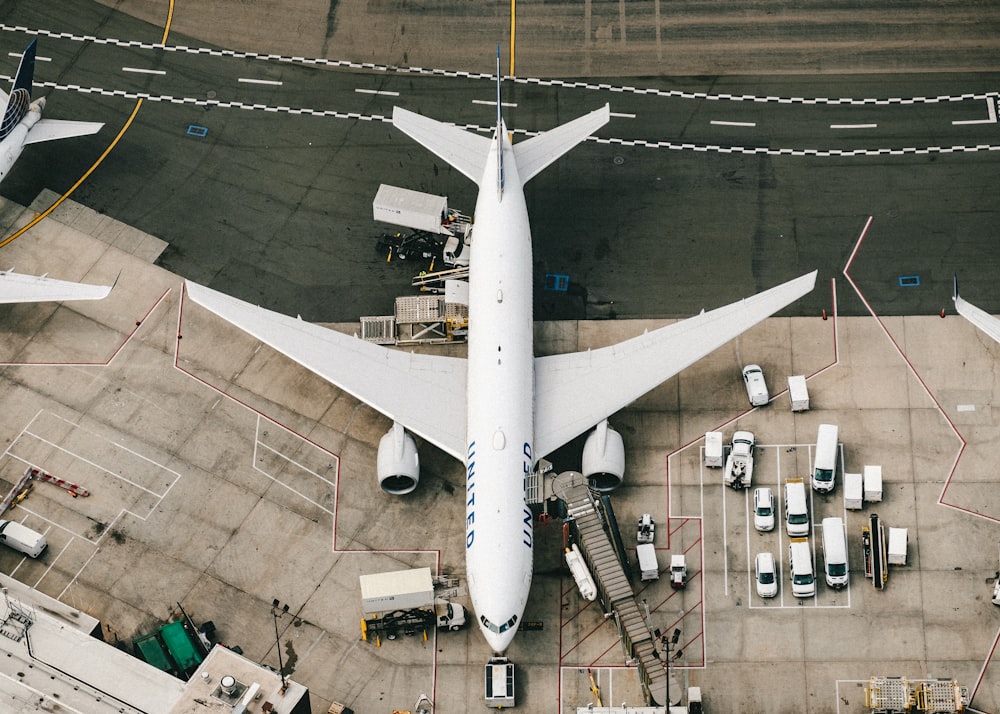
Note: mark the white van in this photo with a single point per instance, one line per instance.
(800, 567)
(835, 552)
(825, 464)
(796, 509)
(22, 538)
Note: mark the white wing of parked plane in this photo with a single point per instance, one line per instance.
(977, 316)
(574, 392)
(51, 129)
(15, 287)
(424, 393)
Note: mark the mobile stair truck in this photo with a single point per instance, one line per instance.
(739, 463)
(403, 602)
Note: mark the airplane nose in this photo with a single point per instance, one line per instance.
(498, 642)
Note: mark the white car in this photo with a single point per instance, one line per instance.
(763, 509)
(753, 378)
(767, 578)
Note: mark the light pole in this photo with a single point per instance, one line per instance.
(669, 656)
(277, 641)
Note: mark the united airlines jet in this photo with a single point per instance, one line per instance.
(22, 122)
(500, 409)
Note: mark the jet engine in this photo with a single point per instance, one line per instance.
(604, 458)
(398, 463)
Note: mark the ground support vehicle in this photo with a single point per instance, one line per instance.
(739, 463)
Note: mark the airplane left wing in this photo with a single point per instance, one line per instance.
(51, 129)
(576, 391)
(15, 287)
(424, 393)
(977, 316)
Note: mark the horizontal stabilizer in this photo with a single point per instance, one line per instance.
(534, 154)
(462, 149)
(424, 393)
(51, 129)
(574, 392)
(15, 287)
(977, 316)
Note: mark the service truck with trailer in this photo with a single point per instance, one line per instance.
(439, 231)
(403, 602)
(739, 463)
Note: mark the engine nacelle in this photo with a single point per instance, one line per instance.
(398, 463)
(604, 458)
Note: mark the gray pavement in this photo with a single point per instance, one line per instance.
(224, 477)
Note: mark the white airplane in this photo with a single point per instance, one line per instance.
(502, 408)
(22, 122)
(977, 316)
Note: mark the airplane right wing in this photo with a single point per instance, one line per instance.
(51, 129)
(977, 316)
(424, 393)
(15, 287)
(576, 391)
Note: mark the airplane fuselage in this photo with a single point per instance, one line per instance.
(500, 406)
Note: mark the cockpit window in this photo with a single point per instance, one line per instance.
(494, 628)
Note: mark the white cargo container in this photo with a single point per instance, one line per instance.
(798, 393)
(649, 569)
(897, 546)
(413, 209)
(853, 491)
(398, 590)
(713, 449)
(873, 483)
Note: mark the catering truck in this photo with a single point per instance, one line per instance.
(403, 602)
(739, 463)
(438, 231)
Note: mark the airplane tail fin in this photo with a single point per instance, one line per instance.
(499, 130)
(20, 94)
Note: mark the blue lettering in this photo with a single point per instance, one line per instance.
(470, 488)
(527, 528)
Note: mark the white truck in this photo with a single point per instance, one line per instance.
(439, 230)
(403, 602)
(739, 463)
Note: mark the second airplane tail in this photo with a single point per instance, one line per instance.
(19, 98)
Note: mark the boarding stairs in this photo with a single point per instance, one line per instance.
(613, 586)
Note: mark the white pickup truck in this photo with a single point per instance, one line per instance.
(739, 463)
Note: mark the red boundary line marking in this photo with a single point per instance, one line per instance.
(128, 338)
